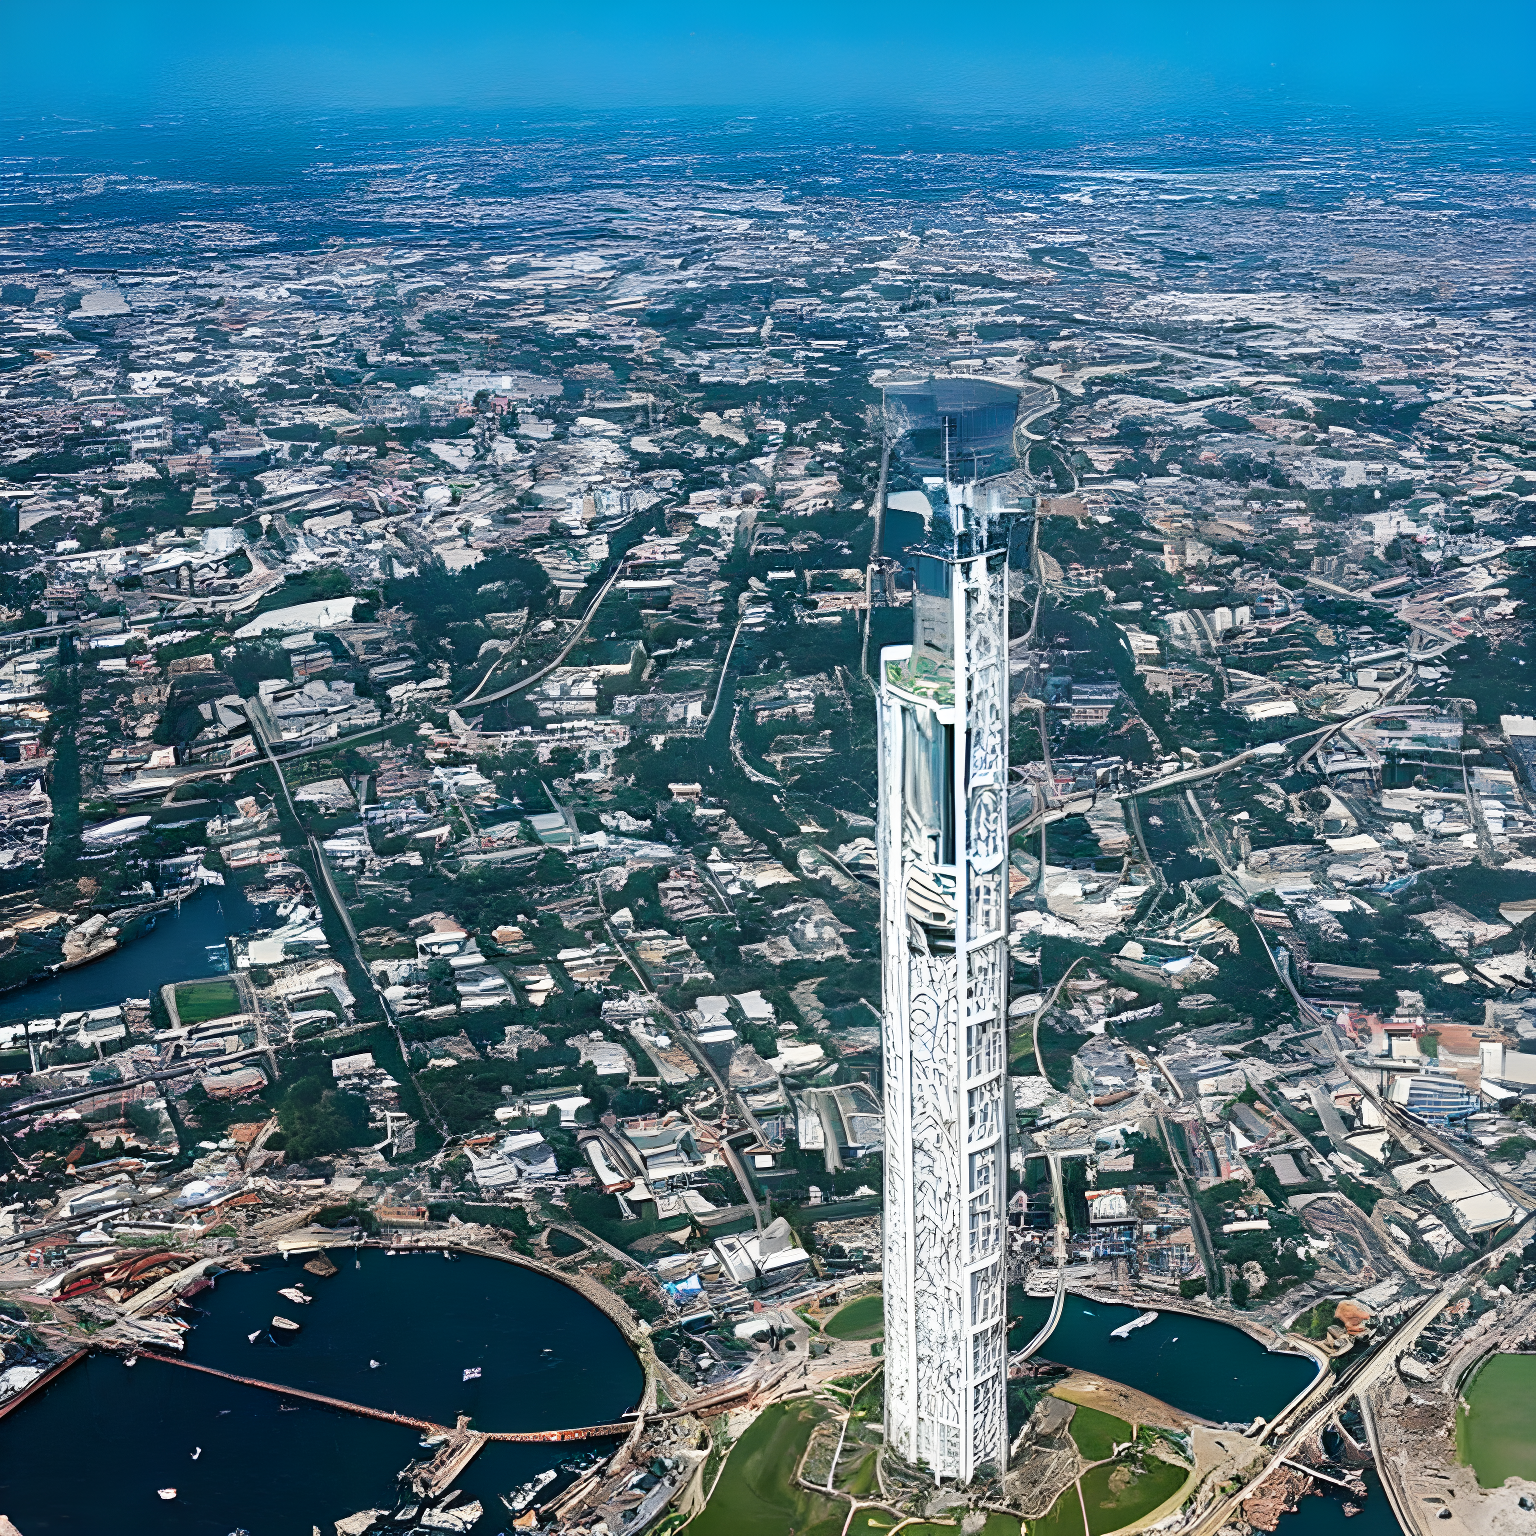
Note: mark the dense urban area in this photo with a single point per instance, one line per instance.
(438, 804)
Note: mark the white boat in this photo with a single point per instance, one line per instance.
(295, 1295)
(285, 1324)
(1125, 1330)
(198, 1452)
(166, 1493)
(251, 1338)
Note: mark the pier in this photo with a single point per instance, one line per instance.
(426, 1426)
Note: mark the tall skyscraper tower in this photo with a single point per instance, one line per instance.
(943, 724)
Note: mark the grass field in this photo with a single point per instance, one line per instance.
(755, 1495)
(1096, 1434)
(1117, 1493)
(861, 1319)
(1065, 1517)
(875, 1522)
(199, 1001)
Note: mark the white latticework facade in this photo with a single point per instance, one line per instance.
(943, 716)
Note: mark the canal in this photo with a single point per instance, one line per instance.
(89, 1453)
(177, 944)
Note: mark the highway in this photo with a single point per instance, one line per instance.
(474, 695)
(44, 1102)
(887, 442)
(684, 1035)
(328, 882)
(1063, 1228)
(1046, 1004)
(1346, 1383)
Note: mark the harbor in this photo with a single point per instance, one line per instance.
(375, 1386)
(176, 943)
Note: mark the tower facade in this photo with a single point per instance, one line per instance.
(943, 804)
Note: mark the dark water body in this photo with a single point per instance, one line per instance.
(1208, 1369)
(181, 945)
(549, 1359)
(86, 1456)
(1323, 1515)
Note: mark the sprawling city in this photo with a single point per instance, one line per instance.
(877, 805)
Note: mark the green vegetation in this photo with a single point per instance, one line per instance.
(1362, 1194)
(1493, 1420)
(863, 1483)
(1118, 1493)
(1065, 1517)
(875, 1522)
(199, 1001)
(756, 1494)
(1314, 1324)
(861, 1319)
(315, 1117)
(1096, 1434)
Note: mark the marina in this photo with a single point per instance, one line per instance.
(332, 1416)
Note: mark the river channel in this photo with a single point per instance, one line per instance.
(88, 1454)
(177, 944)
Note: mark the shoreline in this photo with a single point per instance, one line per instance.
(1259, 1331)
(119, 944)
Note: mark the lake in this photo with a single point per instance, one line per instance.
(88, 1454)
(1208, 1369)
(182, 944)
(1493, 1430)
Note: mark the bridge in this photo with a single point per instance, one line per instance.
(427, 1426)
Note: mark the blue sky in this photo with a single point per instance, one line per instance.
(1064, 62)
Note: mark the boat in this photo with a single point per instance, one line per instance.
(131, 1360)
(166, 1493)
(321, 1265)
(198, 1451)
(373, 1365)
(431, 1442)
(284, 1325)
(295, 1295)
(251, 1338)
(1125, 1330)
(520, 1498)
